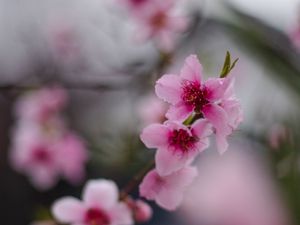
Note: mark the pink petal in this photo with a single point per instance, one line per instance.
(215, 88)
(177, 23)
(169, 199)
(201, 145)
(168, 88)
(168, 161)
(222, 143)
(150, 185)
(179, 112)
(155, 135)
(100, 193)
(234, 112)
(218, 117)
(68, 210)
(192, 69)
(182, 178)
(171, 196)
(43, 177)
(121, 215)
(201, 128)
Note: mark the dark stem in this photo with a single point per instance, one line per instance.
(136, 180)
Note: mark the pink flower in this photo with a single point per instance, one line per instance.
(72, 157)
(142, 212)
(177, 145)
(167, 191)
(34, 155)
(45, 157)
(214, 99)
(42, 104)
(99, 206)
(158, 20)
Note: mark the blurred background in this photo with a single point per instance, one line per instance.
(103, 74)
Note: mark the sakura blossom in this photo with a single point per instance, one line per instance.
(43, 148)
(167, 191)
(99, 206)
(159, 21)
(177, 145)
(213, 99)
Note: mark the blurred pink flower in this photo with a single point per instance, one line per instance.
(72, 156)
(158, 21)
(142, 212)
(167, 191)
(234, 189)
(35, 155)
(42, 147)
(45, 157)
(214, 99)
(100, 205)
(177, 145)
(151, 110)
(42, 104)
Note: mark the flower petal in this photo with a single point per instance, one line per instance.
(201, 128)
(168, 88)
(179, 112)
(169, 199)
(68, 210)
(215, 88)
(150, 185)
(222, 143)
(121, 215)
(182, 178)
(218, 117)
(171, 196)
(100, 193)
(168, 161)
(155, 135)
(192, 69)
(234, 112)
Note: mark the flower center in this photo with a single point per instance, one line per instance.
(41, 155)
(159, 20)
(193, 95)
(181, 140)
(96, 216)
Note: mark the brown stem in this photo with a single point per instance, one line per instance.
(136, 180)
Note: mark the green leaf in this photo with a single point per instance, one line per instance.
(227, 67)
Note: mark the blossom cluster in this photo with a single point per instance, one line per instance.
(158, 20)
(197, 109)
(43, 147)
